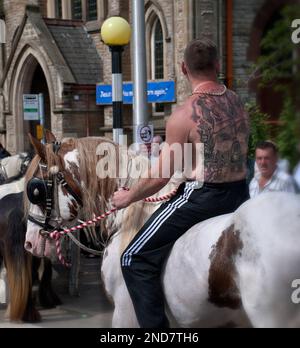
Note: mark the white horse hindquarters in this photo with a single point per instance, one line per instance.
(270, 258)
(189, 264)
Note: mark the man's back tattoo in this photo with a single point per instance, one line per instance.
(222, 125)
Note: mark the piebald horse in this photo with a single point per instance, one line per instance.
(229, 269)
(12, 168)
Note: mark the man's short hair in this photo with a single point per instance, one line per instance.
(268, 144)
(200, 55)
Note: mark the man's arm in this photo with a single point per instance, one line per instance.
(176, 133)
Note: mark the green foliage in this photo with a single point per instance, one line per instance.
(288, 136)
(278, 61)
(259, 128)
(279, 68)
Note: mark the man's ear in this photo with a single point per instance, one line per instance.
(50, 137)
(184, 69)
(39, 148)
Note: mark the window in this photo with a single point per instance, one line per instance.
(158, 51)
(91, 10)
(76, 9)
(157, 57)
(58, 9)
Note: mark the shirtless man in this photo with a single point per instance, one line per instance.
(214, 116)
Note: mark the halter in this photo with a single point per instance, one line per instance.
(43, 190)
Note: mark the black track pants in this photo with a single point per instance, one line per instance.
(142, 261)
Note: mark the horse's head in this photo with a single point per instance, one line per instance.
(62, 187)
(53, 192)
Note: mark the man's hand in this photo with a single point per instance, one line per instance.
(121, 199)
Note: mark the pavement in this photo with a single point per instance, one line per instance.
(90, 310)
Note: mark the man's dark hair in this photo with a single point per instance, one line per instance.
(200, 55)
(263, 145)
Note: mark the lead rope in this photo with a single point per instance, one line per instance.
(57, 235)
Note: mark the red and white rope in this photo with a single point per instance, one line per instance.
(56, 235)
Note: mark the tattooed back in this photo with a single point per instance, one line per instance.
(222, 125)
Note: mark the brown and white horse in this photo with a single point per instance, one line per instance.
(63, 188)
(230, 268)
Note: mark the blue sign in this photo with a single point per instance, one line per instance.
(158, 92)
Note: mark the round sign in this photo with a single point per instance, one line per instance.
(146, 134)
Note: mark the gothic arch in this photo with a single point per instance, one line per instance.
(153, 11)
(22, 73)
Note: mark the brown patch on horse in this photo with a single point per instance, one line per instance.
(223, 291)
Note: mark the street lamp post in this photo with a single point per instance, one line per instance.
(116, 33)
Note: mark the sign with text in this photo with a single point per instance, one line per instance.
(158, 92)
(31, 107)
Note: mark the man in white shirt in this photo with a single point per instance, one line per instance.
(269, 178)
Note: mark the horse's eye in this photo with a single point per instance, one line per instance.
(36, 191)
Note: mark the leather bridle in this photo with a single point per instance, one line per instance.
(41, 192)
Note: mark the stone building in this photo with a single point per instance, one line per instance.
(54, 48)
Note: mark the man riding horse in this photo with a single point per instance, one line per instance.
(214, 116)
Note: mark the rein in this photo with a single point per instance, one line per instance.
(39, 189)
(57, 235)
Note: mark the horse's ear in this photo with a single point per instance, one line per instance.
(50, 137)
(38, 147)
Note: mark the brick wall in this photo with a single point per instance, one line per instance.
(244, 13)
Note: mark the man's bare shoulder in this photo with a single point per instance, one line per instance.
(182, 113)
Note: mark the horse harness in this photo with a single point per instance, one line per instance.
(41, 190)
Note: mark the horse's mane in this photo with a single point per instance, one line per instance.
(129, 221)
(95, 191)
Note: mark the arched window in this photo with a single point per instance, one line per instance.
(157, 42)
(157, 57)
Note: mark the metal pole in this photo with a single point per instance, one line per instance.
(117, 92)
(140, 109)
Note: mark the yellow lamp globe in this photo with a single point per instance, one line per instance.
(116, 31)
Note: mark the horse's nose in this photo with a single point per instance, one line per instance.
(28, 246)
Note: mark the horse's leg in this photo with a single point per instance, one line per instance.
(47, 297)
(124, 315)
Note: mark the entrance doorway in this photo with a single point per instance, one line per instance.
(38, 85)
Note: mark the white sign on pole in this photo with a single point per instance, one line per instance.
(144, 134)
(31, 107)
